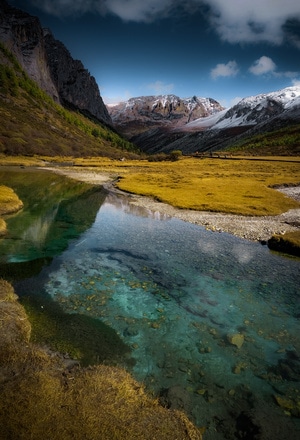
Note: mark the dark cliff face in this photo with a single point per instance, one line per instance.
(49, 63)
(23, 35)
(76, 87)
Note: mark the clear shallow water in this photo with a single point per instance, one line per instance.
(177, 294)
(56, 210)
(182, 298)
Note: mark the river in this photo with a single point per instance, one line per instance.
(211, 320)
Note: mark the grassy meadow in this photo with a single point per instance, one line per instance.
(238, 186)
(241, 186)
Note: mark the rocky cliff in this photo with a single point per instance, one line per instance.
(49, 63)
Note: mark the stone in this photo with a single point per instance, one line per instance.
(236, 339)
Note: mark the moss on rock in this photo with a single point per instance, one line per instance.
(288, 243)
(9, 203)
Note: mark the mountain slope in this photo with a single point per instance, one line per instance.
(49, 63)
(254, 110)
(32, 123)
(259, 115)
(137, 115)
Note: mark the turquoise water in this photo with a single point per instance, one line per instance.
(177, 294)
(212, 320)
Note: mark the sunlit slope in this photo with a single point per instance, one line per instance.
(32, 123)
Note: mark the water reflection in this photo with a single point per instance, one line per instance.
(38, 231)
(212, 319)
(123, 203)
(55, 211)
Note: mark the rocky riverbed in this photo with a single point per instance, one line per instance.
(253, 228)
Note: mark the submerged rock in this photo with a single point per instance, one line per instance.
(236, 339)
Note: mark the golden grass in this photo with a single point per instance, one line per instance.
(235, 185)
(40, 398)
(3, 228)
(9, 203)
(230, 186)
(25, 161)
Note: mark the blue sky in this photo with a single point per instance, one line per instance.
(223, 49)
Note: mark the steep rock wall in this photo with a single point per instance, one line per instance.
(48, 62)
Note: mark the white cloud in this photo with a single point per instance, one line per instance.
(263, 66)
(159, 88)
(138, 10)
(296, 82)
(253, 21)
(287, 74)
(236, 21)
(266, 66)
(225, 70)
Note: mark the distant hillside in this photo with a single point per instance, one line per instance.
(32, 123)
(263, 124)
(138, 115)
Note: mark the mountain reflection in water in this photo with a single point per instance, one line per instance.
(212, 320)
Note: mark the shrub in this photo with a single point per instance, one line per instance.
(175, 155)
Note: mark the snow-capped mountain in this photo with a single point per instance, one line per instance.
(252, 110)
(165, 123)
(139, 114)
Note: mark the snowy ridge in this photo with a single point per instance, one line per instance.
(173, 101)
(166, 109)
(252, 110)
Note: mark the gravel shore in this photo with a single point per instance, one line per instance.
(251, 228)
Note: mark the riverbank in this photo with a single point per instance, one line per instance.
(9, 204)
(44, 395)
(254, 228)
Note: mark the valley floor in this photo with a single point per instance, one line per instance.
(254, 228)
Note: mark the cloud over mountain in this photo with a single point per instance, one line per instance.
(225, 70)
(262, 66)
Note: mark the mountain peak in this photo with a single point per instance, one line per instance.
(169, 111)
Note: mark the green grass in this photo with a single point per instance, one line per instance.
(285, 141)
